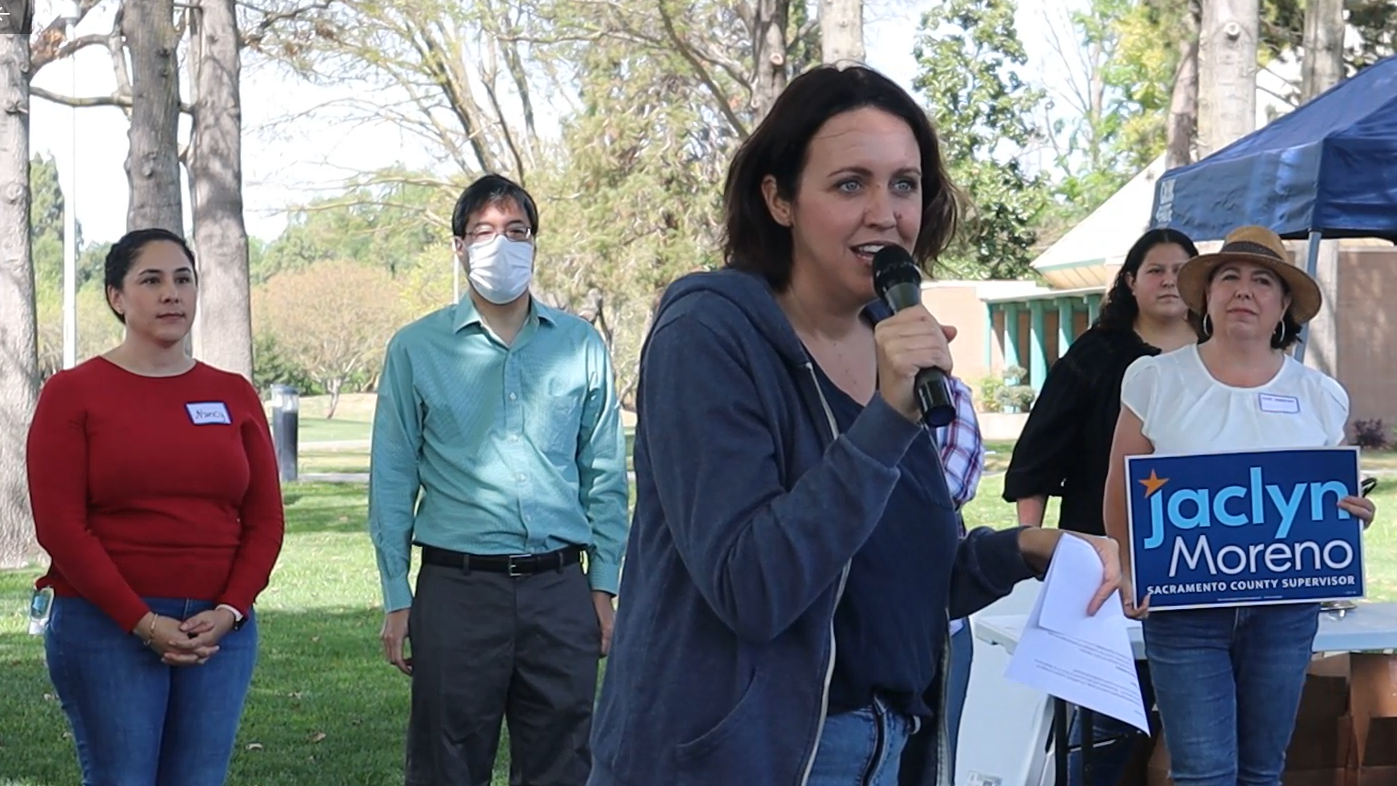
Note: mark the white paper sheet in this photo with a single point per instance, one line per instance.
(1085, 660)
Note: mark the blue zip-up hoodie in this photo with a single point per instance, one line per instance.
(748, 511)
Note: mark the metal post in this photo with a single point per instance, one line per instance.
(68, 178)
(286, 409)
(1311, 267)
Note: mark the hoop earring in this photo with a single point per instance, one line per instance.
(1279, 335)
(1207, 325)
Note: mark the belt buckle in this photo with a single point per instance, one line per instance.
(514, 570)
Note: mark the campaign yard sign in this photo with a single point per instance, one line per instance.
(1241, 529)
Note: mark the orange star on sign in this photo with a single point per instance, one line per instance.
(1152, 484)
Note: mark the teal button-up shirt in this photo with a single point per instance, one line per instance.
(485, 448)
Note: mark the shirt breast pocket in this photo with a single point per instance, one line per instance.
(556, 422)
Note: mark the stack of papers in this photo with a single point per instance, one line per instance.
(1082, 659)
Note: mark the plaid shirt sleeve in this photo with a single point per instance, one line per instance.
(962, 448)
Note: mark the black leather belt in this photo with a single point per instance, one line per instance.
(515, 565)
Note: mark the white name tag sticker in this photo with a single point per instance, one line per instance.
(208, 413)
(1284, 405)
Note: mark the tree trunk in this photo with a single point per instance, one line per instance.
(1322, 68)
(333, 388)
(223, 333)
(152, 162)
(769, 52)
(19, 354)
(1323, 65)
(1227, 72)
(841, 31)
(1183, 104)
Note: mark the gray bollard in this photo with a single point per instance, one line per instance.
(286, 409)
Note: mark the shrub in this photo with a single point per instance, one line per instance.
(1018, 398)
(990, 389)
(1370, 434)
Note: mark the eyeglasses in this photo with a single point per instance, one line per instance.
(517, 233)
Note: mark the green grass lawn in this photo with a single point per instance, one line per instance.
(997, 455)
(324, 708)
(348, 461)
(1381, 460)
(337, 430)
(313, 458)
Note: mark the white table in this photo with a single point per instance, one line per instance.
(1366, 628)
(1369, 627)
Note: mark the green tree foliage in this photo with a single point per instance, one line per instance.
(304, 313)
(272, 366)
(1142, 72)
(389, 219)
(1119, 58)
(969, 56)
(1283, 34)
(635, 201)
(653, 97)
(96, 330)
(46, 223)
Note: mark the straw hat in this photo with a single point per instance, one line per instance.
(1259, 246)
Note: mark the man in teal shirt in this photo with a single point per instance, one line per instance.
(498, 449)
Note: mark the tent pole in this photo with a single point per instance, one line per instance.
(1311, 266)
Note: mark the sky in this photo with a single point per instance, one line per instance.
(284, 164)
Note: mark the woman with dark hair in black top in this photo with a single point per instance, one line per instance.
(1065, 446)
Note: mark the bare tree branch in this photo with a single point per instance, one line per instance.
(489, 75)
(70, 48)
(123, 102)
(49, 44)
(515, 65)
(271, 19)
(116, 47)
(723, 100)
(77, 102)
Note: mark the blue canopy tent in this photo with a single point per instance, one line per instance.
(1325, 170)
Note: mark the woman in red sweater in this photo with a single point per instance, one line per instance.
(155, 493)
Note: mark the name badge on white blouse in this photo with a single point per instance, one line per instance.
(208, 413)
(1283, 405)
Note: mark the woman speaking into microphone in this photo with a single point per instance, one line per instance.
(793, 555)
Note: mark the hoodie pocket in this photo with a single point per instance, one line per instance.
(692, 752)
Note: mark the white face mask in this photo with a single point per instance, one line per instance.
(501, 269)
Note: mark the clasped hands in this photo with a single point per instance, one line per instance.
(188, 643)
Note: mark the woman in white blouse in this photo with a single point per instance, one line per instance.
(1228, 679)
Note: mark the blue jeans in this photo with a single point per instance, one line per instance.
(1112, 741)
(862, 748)
(136, 721)
(957, 684)
(1228, 684)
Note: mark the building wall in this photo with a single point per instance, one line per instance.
(961, 307)
(1367, 332)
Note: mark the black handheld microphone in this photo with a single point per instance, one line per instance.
(898, 282)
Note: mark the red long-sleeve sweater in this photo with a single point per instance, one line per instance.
(159, 487)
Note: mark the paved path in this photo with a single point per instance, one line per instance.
(341, 444)
(334, 477)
